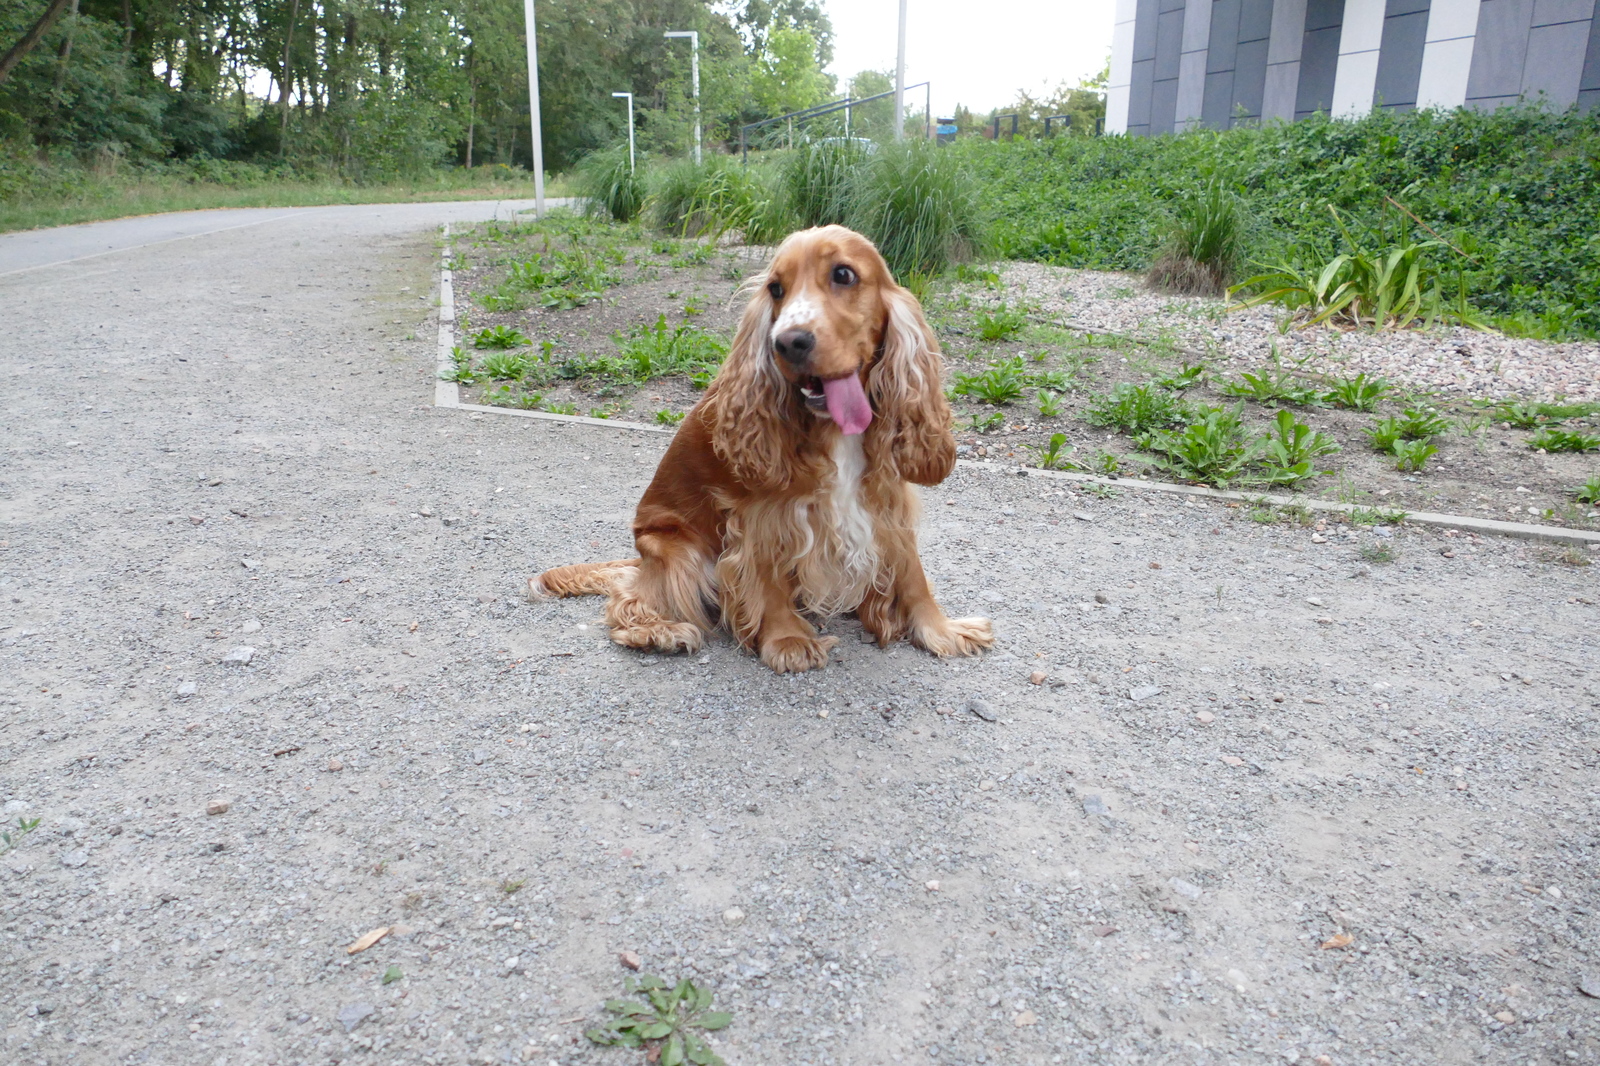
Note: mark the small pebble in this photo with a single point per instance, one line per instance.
(218, 807)
(1205, 717)
(1505, 1016)
(932, 886)
(335, 765)
(1037, 677)
(985, 786)
(732, 916)
(630, 959)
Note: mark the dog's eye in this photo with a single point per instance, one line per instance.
(776, 289)
(843, 275)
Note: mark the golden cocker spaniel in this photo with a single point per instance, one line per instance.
(787, 486)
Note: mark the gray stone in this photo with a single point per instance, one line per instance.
(1144, 692)
(1187, 889)
(480, 756)
(1083, 516)
(1589, 985)
(982, 709)
(186, 689)
(1095, 806)
(239, 657)
(250, 625)
(354, 1014)
(75, 859)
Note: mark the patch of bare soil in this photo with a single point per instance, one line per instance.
(1070, 337)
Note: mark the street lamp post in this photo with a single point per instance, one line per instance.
(533, 110)
(900, 79)
(629, 97)
(694, 68)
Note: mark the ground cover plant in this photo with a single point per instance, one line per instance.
(1498, 205)
(669, 1021)
(1158, 401)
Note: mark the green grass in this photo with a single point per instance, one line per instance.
(609, 186)
(816, 179)
(1552, 439)
(82, 196)
(1136, 408)
(1000, 323)
(657, 351)
(996, 385)
(1358, 393)
(1589, 491)
(1270, 387)
(920, 206)
(501, 337)
(1532, 415)
(706, 199)
(1205, 242)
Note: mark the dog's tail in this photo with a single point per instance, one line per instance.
(580, 579)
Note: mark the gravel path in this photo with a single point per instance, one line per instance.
(1455, 361)
(244, 564)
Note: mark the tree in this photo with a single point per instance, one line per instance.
(787, 74)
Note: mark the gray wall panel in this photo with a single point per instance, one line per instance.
(1218, 109)
(1163, 105)
(1500, 51)
(1169, 44)
(1555, 63)
(1400, 58)
(1589, 84)
(1255, 20)
(1250, 79)
(1139, 97)
(1144, 30)
(1224, 35)
(1319, 57)
(1550, 12)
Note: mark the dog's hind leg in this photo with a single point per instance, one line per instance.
(662, 603)
(580, 579)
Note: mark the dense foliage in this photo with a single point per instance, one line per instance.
(1514, 195)
(375, 89)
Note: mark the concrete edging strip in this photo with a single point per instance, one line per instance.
(448, 394)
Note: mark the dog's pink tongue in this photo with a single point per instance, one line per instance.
(847, 404)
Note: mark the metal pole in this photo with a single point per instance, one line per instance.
(694, 68)
(927, 112)
(533, 109)
(630, 128)
(900, 79)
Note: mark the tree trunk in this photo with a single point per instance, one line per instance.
(283, 98)
(66, 47)
(20, 50)
(127, 26)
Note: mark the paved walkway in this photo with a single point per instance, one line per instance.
(1274, 800)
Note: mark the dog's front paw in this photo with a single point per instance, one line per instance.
(795, 654)
(956, 636)
(670, 637)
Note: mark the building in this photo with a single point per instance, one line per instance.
(1178, 64)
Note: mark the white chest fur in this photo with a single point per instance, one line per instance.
(842, 560)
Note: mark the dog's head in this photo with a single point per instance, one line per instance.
(828, 337)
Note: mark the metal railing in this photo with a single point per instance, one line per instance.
(844, 105)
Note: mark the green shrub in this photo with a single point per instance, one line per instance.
(709, 198)
(1514, 189)
(1270, 387)
(996, 385)
(1412, 454)
(1290, 450)
(500, 337)
(1204, 244)
(1532, 415)
(609, 185)
(920, 206)
(1136, 408)
(1359, 393)
(817, 178)
(505, 366)
(1589, 491)
(1215, 450)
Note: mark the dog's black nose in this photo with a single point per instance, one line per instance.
(795, 345)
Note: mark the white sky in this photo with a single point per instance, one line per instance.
(977, 54)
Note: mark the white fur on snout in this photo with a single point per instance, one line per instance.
(800, 311)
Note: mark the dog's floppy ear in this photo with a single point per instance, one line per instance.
(751, 428)
(907, 390)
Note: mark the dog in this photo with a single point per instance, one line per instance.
(788, 487)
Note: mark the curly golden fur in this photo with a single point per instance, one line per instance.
(763, 507)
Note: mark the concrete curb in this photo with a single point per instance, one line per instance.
(448, 394)
(1466, 523)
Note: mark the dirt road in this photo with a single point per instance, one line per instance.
(1281, 796)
